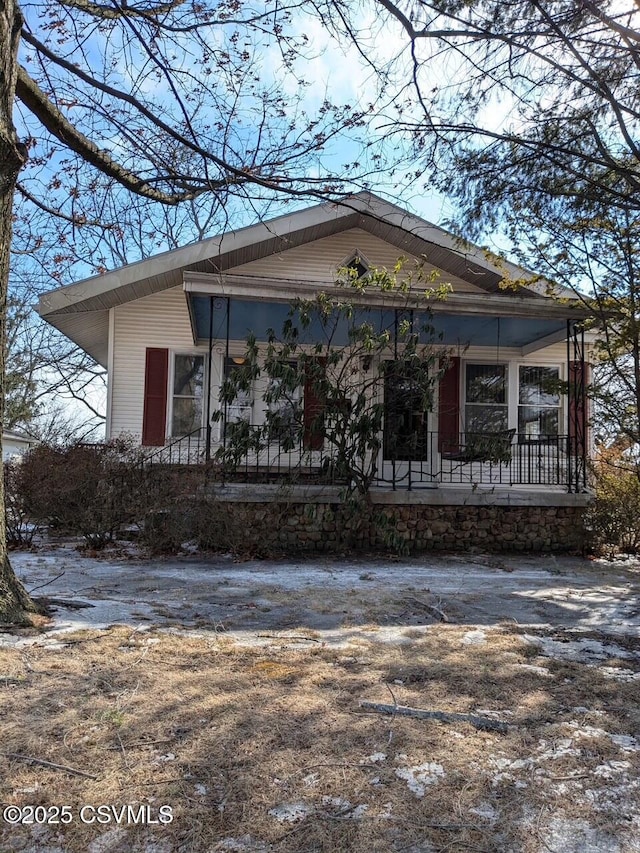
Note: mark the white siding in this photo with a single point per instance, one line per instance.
(160, 320)
(318, 261)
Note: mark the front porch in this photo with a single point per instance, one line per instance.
(494, 423)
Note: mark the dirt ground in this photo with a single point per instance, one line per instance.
(207, 705)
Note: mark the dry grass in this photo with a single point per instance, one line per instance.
(225, 734)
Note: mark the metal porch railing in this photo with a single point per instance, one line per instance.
(483, 459)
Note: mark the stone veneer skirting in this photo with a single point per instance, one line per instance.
(319, 522)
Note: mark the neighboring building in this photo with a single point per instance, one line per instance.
(15, 444)
(169, 327)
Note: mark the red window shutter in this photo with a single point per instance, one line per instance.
(449, 409)
(313, 433)
(579, 376)
(156, 378)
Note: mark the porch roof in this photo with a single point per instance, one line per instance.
(81, 310)
(458, 320)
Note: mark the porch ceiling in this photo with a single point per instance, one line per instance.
(246, 315)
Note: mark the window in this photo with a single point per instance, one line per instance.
(357, 263)
(486, 408)
(538, 403)
(239, 409)
(284, 400)
(188, 384)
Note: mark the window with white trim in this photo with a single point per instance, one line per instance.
(284, 401)
(240, 409)
(538, 403)
(486, 399)
(187, 396)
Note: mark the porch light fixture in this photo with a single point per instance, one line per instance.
(238, 359)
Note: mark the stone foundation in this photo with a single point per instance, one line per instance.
(316, 526)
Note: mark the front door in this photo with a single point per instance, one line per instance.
(408, 452)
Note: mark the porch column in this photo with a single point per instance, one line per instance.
(577, 406)
(210, 367)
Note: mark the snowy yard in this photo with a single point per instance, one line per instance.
(231, 694)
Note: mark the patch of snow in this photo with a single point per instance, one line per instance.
(160, 759)
(374, 758)
(557, 749)
(310, 780)
(610, 769)
(156, 847)
(577, 836)
(420, 776)
(536, 670)
(200, 790)
(586, 731)
(545, 751)
(110, 841)
(345, 808)
(626, 743)
(486, 811)
(290, 812)
(584, 650)
(474, 638)
(387, 812)
(625, 675)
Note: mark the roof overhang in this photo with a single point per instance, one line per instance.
(80, 310)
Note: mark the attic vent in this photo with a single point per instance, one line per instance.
(357, 262)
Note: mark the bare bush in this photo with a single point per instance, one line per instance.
(614, 516)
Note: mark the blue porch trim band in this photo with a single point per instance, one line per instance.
(237, 318)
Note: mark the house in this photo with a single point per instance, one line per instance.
(501, 433)
(15, 444)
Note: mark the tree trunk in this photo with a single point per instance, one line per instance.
(15, 604)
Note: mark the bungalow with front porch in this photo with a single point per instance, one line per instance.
(500, 459)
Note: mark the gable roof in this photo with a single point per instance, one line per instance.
(80, 310)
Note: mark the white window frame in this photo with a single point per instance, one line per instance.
(171, 396)
(463, 388)
(229, 408)
(561, 407)
(297, 400)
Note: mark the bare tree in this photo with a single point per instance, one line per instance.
(166, 100)
(526, 113)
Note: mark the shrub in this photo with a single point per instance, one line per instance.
(20, 529)
(614, 516)
(89, 490)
